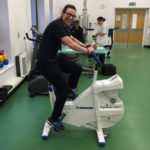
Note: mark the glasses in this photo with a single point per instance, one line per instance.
(70, 15)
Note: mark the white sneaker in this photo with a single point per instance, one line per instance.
(46, 130)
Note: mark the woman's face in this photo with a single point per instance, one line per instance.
(68, 16)
(100, 22)
(76, 25)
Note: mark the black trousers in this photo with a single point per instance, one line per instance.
(102, 58)
(53, 72)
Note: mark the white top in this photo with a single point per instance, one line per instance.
(102, 40)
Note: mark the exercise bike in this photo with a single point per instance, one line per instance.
(98, 107)
(37, 83)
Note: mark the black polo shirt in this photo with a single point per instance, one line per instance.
(77, 33)
(51, 41)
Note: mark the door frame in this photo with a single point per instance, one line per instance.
(147, 12)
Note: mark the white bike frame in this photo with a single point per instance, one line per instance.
(97, 107)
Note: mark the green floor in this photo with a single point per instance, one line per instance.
(22, 118)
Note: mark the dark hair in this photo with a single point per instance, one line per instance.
(76, 21)
(68, 6)
(101, 19)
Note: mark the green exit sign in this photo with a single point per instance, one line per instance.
(132, 3)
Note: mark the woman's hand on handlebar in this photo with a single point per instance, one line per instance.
(90, 49)
(87, 44)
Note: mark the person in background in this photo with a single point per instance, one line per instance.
(101, 34)
(51, 65)
(77, 31)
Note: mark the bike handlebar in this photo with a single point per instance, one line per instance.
(32, 39)
(96, 59)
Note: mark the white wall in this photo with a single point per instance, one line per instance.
(4, 34)
(59, 5)
(107, 10)
(47, 11)
(96, 8)
(51, 10)
(43, 14)
(33, 12)
(41, 22)
(16, 15)
(19, 23)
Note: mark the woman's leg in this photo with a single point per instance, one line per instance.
(54, 75)
(72, 68)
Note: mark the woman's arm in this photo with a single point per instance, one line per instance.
(100, 34)
(75, 45)
(77, 41)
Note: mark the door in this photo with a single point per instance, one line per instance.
(131, 26)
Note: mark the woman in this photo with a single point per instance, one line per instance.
(51, 65)
(77, 31)
(102, 35)
(102, 32)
